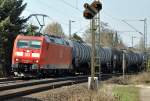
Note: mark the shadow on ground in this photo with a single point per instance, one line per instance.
(24, 99)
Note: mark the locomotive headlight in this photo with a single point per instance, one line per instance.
(37, 55)
(17, 60)
(37, 61)
(19, 53)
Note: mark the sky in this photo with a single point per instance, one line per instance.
(113, 12)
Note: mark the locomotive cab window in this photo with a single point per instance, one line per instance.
(23, 44)
(36, 44)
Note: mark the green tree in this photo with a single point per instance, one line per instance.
(11, 24)
(31, 30)
(141, 44)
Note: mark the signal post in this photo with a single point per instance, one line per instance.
(89, 13)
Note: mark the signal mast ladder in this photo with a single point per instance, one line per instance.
(97, 44)
(148, 64)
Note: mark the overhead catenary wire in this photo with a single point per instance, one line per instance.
(112, 17)
(50, 7)
(79, 30)
(58, 11)
(123, 21)
(49, 17)
(133, 27)
(70, 5)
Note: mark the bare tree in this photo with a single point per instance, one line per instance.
(108, 37)
(77, 37)
(87, 36)
(54, 29)
(141, 44)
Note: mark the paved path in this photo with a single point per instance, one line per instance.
(144, 93)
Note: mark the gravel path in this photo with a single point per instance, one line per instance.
(144, 93)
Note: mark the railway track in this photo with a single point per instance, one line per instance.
(28, 87)
(22, 88)
(8, 79)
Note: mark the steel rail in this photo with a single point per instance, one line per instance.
(22, 89)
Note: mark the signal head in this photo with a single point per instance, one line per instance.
(97, 5)
(91, 10)
(86, 5)
(87, 14)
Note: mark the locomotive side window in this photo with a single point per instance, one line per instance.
(59, 41)
(67, 43)
(52, 40)
(29, 44)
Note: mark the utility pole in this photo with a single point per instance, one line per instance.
(145, 34)
(133, 40)
(145, 43)
(70, 21)
(123, 64)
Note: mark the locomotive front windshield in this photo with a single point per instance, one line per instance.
(35, 44)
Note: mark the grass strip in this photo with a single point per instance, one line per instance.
(126, 93)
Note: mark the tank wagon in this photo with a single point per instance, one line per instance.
(111, 59)
(134, 61)
(49, 55)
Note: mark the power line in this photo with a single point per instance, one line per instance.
(79, 30)
(133, 27)
(126, 31)
(70, 5)
(63, 13)
(112, 17)
(48, 6)
(51, 18)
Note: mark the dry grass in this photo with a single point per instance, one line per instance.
(141, 78)
(81, 93)
(119, 80)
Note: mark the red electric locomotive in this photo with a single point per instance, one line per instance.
(40, 55)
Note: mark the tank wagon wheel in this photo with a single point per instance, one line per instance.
(40, 74)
